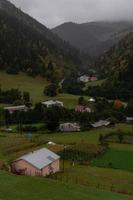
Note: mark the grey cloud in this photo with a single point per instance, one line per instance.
(55, 12)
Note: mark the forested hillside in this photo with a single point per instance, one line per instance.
(94, 37)
(29, 46)
(117, 67)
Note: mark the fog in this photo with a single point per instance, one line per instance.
(54, 12)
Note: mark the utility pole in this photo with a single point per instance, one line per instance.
(64, 152)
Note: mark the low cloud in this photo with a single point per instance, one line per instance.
(54, 12)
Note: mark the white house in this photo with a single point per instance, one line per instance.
(69, 127)
(12, 109)
(84, 78)
(91, 100)
(53, 103)
(129, 119)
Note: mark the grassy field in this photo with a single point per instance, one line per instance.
(28, 188)
(90, 137)
(100, 178)
(35, 86)
(115, 159)
(15, 145)
(24, 83)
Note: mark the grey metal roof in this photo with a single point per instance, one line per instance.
(40, 158)
(15, 107)
(101, 123)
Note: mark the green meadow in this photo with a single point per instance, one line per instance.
(35, 86)
(95, 181)
(32, 188)
(115, 159)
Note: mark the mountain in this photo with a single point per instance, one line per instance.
(95, 37)
(116, 66)
(27, 45)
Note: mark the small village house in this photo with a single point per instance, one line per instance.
(84, 78)
(50, 103)
(80, 108)
(13, 109)
(129, 119)
(42, 162)
(69, 127)
(92, 100)
(101, 123)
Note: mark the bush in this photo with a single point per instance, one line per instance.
(29, 128)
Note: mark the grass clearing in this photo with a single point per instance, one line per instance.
(94, 83)
(35, 86)
(24, 83)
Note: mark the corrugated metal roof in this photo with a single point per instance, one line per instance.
(101, 123)
(52, 102)
(40, 158)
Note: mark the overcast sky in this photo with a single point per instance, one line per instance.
(54, 12)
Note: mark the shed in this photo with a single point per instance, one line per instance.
(52, 103)
(101, 123)
(13, 109)
(42, 162)
(129, 119)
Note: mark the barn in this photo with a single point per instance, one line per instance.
(42, 162)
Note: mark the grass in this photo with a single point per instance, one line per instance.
(15, 145)
(101, 178)
(13, 141)
(115, 159)
(94, 83)
(35, 86)
(90, 137)
(25, 83)
(33, 188)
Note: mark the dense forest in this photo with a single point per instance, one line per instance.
(116, 66)
(28, 46)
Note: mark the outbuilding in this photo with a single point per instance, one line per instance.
(69, 127)
(13, 109)
(42, 162)
(50, 103)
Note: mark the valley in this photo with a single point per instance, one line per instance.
(66, 109)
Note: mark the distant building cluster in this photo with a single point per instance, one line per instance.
(86, 78)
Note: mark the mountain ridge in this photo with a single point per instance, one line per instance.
(94, 38)
(30, 44)
(116, 66)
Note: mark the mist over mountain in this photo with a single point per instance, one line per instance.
(94, 38)
(53, 13)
